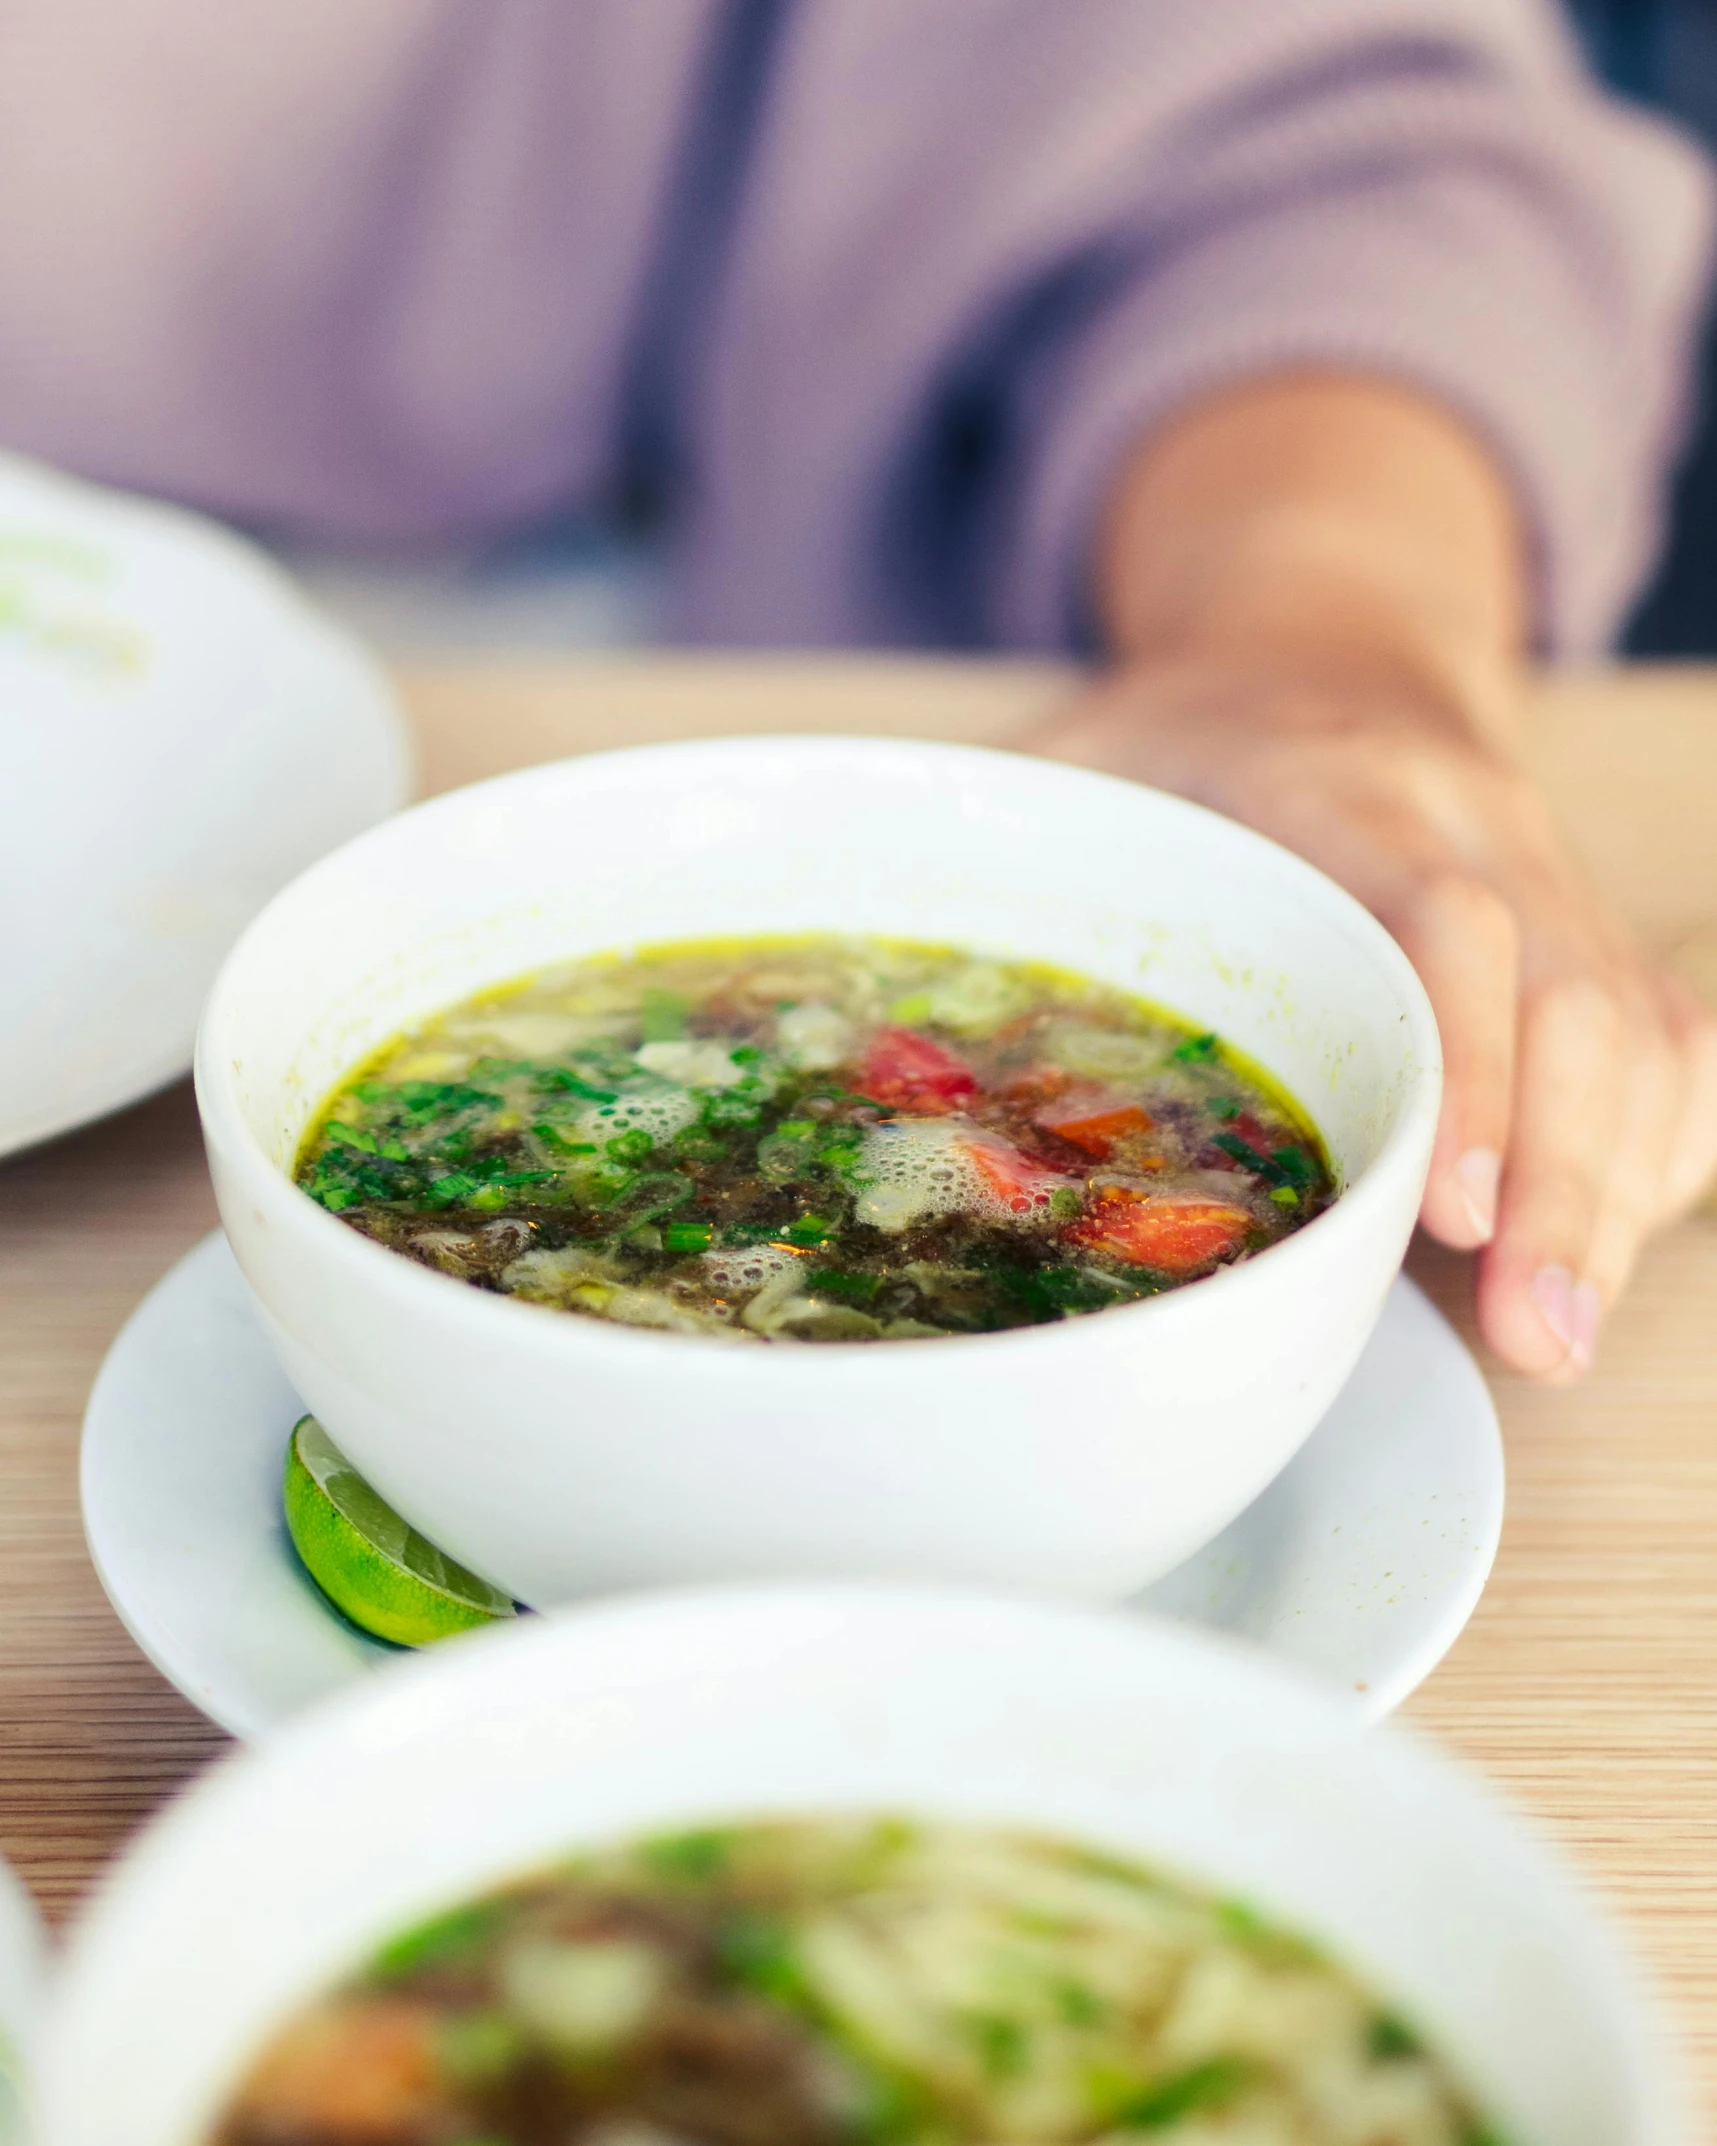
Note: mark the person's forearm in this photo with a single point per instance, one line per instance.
(1339, 527)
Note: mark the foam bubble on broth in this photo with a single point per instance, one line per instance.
(738, 1270)
(922, 1167)
(659, 1112)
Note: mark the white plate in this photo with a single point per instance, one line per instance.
(180, 734)
(1363, 1560)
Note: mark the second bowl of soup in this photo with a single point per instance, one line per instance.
(817, 1155)
(845, 1865)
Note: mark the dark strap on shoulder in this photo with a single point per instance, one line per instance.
(693, 241)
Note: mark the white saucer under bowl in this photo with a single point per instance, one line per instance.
(1363, 1560)
(183, 733)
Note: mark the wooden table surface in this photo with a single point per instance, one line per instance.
(1587, 1682)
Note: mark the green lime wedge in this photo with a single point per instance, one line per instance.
(385, 1576)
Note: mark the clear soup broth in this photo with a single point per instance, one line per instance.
(816, 1140)
(849, 1982)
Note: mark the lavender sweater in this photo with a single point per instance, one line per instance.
(875, 292)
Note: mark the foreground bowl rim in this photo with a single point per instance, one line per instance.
(589, 1653)
(374, 1267)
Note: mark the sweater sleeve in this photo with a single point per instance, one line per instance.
(985, 251)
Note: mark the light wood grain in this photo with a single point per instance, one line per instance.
(1587, 1682)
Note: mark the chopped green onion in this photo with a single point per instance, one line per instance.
(602, 1181)
(1002, 2043)
(444, 1098)
(1284, 1196)
(1243, 1152)
(552, 1137)
(756, 1951)
(633, 1146)
(352, 1136)
(698, 1144)
(688, 1237)
(1224, 1106)
(796, 1128)
(1196, 1050)
(1210, 2085)
(808, 1231)
(1293, 1165)
(743, 1233)
(479, 2049)
(1078, 2004)
(1389, 2036)
(694, 1857)
(558, 1077)
(456, 1185)
(851, 1288)
(459, 1935)
(741, 1106)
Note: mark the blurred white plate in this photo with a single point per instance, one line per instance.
(180, 734)
(1363, 1560)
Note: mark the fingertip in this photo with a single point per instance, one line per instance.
(1542, 1322)
(1460, 1201)
(1569, 1311)
(1477, 1178)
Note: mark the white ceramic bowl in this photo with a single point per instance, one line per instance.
(495, 1754)
(560, 1455)
(180, 733)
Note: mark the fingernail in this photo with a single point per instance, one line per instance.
(1588, 1310)
(1570, 1311)
(1476, 1177)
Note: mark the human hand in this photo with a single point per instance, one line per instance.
(1580, 1097)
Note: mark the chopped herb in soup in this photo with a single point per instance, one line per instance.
(849, 1982)
(816, 1140)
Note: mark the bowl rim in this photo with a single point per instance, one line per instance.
(373, 1267)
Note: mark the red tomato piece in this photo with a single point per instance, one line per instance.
(909, 1072)
(1011, 1176)
(1094, 1127)
(1174, 1235)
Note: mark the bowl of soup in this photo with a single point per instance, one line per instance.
(790, 1155)
(843, 1863)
